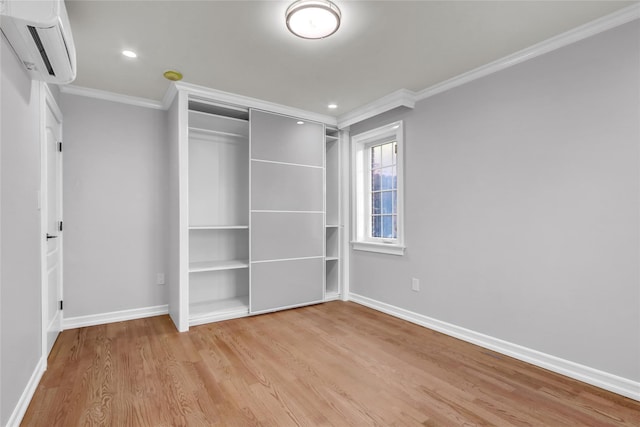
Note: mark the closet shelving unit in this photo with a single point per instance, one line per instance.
(218, 235)
(332, 214)
(255, 221)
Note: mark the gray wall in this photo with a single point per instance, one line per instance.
(115, 203)
(522, 206)
(20, 326)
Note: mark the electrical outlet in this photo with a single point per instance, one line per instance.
(160, 279)
(415, 284)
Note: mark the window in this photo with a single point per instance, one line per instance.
(378, 220)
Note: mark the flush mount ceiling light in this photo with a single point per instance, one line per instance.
(129, 54)
(313, 19)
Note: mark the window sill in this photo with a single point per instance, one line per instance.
(382, 248)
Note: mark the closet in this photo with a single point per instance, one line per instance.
(256, 226)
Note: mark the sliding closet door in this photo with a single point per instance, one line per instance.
(287, 212)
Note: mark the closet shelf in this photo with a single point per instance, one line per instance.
(218, 116)
(331, 258)
(331, 138)
(208, 107)
(207, 311)
(218, 227)
(211, 133)
(201, 266)
(332, 226)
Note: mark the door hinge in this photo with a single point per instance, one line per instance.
(60, 226)
(61, 304)
(60, 146)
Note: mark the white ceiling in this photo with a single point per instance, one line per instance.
(243, 46)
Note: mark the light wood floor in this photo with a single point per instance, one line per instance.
(331, 364)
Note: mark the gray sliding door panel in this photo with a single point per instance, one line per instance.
(287, 212)
(278, 235)
(286, 283)
(281, 187)
(279, 138)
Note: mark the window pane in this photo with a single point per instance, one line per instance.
(395, 202)
(376, 228)
(375, 203)
(387, 227)
(387, 178)
(387, 202)
(387, 154)
(375, 180)
(375, 157)
(395, 178)
(395, 226)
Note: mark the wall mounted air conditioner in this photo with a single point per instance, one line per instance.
(39, 32)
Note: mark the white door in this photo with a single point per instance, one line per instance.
(52, 222)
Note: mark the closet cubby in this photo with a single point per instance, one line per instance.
(332, 214)
(218, 178)
(332, 280)
(213, 249)
(216, 295)
(332, 248)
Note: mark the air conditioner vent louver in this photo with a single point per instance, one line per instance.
(43, 53)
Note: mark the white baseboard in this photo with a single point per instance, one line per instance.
(605, 380)
(114, 316)
(23, 403)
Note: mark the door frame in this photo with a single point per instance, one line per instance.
(47, 101)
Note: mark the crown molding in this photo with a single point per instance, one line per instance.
(589, 29)
(407, 98)
(111, 96)
(246, 101)
(172, 91)
(399, 98)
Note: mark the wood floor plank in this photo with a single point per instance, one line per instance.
(333, 364)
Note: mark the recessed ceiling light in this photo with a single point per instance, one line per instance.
(300, 122)
(332, 106)
(129, 54)
(313, 19)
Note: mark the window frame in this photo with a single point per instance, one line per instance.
(361, 179)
